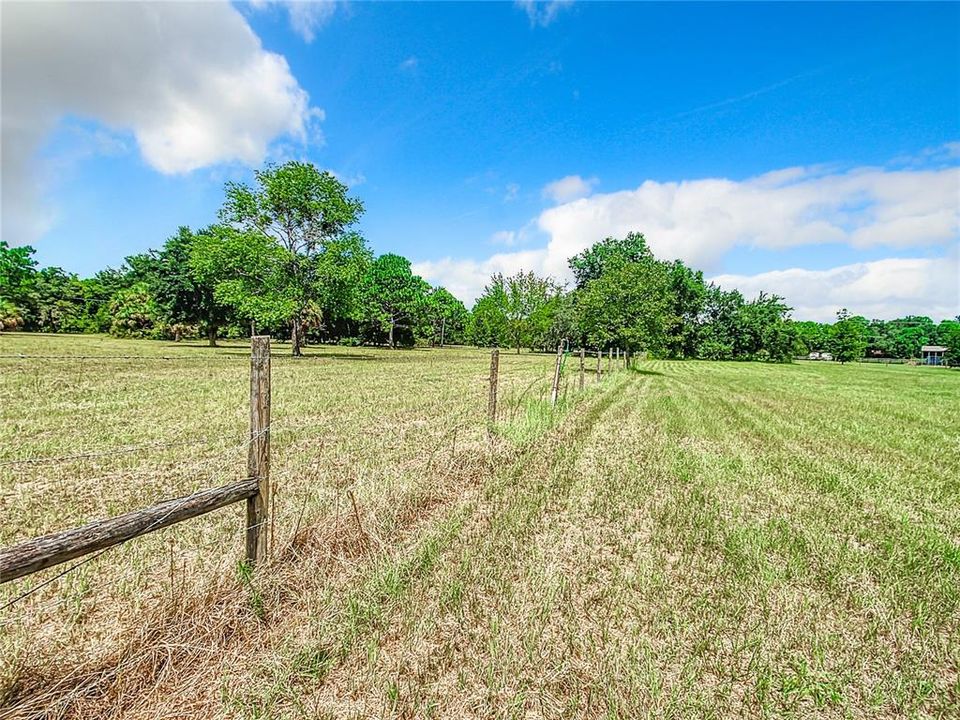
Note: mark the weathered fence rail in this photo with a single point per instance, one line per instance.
(44, 552)
(56, 548)
(49, 550)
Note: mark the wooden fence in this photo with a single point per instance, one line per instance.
(49, 550)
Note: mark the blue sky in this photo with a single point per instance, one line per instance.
(807, 149)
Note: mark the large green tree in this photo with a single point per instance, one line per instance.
(531, 303)
(592, 262)
(445, 316)
(848, 337)
(488, 321)
(184, 295)
(306, 212)
(393, 296)
(628, 305)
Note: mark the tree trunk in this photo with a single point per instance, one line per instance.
(212, 335)
(295, 337)
(443, 327)
(253, 328)
(392, 324)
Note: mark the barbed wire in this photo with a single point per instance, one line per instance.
(100, 453)
(90, 558)
(238, 357)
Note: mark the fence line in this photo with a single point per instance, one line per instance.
(90, 541)
(96, 537)
(165, 358)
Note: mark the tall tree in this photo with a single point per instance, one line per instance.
(393, 296)
(303, 210)
(628, 306)
(599, 257)
(530, 307)
(446, 317)
(182, 294)
(488, 320)
(848, 337)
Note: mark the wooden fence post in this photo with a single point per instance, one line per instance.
(492, 400)
(582, 357)
(258, 459)
(599, 361)
(609, 359)
(555, 390)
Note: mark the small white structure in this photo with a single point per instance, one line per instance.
(932, 354)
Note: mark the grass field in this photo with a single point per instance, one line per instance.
(682, 540)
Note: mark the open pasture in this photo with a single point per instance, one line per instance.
(685, 539)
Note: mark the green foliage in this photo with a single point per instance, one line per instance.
(247, 271)
(306, 213)
(445, 318)
(135, 313)
(394, 297)
(17, 273)
(688, 294)
(488, 321)
(11, 317)
(848, 337)
(948, 335)
(599, 257)
(185, 296)
(531, 303)
(627, 305)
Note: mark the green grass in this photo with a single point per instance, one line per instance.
(686, 540)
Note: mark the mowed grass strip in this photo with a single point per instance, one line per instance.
(692, 539)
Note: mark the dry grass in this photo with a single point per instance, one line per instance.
(696, 539)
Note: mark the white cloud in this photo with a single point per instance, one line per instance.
(190, 81)
(306, 16)
(467, 278)
(568, 188)
(512, 190)
(504, 237)
(542, 13)
(882, 289)
(410, 64)
(700, 221)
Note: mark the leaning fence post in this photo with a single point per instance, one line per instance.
(258, 458)
(582, 357)
(492, 400)
(555, 389)
(599, 360)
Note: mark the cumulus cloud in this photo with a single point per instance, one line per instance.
(542, 13)
(188, 101)
(467, 278)
(882, 289)
(306, 16)
(568, 188)
(700, 221)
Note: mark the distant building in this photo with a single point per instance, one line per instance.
(932, 354)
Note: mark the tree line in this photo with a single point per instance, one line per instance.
(284, 258)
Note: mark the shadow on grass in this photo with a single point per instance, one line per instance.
(640, 371)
